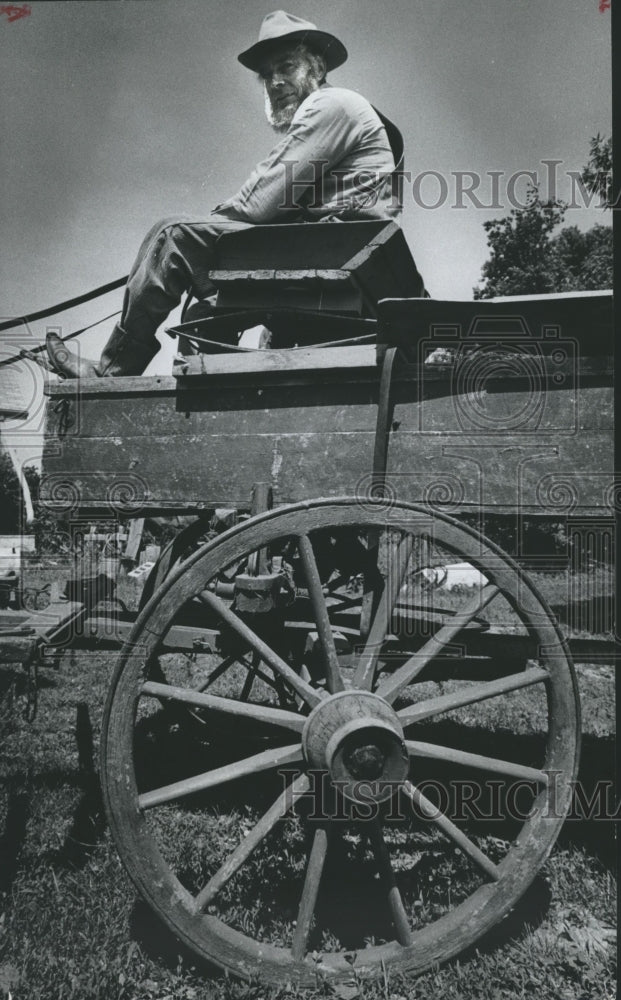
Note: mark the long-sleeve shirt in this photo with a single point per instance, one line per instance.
(334, 161)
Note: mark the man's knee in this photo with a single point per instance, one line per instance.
(169, 222)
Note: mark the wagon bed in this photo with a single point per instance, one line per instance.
(533, 432)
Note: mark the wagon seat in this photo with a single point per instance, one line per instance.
(302, 284)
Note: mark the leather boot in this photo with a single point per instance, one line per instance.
(65, 362)
(126, 353)
(122, 355)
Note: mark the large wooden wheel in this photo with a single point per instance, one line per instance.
(287, 802)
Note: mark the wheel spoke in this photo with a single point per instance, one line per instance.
(341, 601)
(477, 692)
(372, 584)
(312, 879)
(305, 675)
(219, 670)
(395, 902)
(311, 696)
(324, 626)
(397, 569)
(209, 779)
(391, 687)
(274, 680)
(299, 786)
(492, 764)
(429, 811)
(228, 706)
(250, 677)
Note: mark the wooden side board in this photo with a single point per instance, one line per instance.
(132, 445)
(473, 474)
(579, 324)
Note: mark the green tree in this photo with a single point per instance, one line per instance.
(597, 174)
(582, 261)
(522, 261)
(526, 257)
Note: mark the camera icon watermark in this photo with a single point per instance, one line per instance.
(501, 378)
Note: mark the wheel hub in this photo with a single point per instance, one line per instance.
(357, 737)
(365, 762)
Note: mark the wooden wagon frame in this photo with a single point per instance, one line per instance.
(294, 642)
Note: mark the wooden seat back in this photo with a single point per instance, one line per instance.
(338, 267)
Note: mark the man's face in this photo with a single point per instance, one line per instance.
(289, 76)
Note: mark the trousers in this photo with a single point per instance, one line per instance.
(174, 257)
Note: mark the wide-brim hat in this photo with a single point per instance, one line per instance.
(279, 27)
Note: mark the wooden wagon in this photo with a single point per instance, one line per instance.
(287, 717)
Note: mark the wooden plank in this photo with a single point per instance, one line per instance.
(248, 409)
(510, 371)
(15, 648)
(58, 621)
(11, 618)
(369, 271)
(376, 255)
(310, 359)
(179, 637)
(332, 296)
(484, 655)
(317, 437)
(333, 406)
(376, 245)
(500, 410)
(82, 388)
(468, 472)
(385, 267)
(306, 245)
(433, 378)
(104, 630)
(134, 539)
(312, 275)
(403, 265)
(498, 645)
(130, 388)
(583, 318)
(592, 649)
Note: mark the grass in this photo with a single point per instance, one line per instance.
(561, 591)
(71, 925)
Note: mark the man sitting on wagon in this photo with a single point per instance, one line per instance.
(336, 161)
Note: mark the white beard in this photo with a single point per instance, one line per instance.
(279, 120)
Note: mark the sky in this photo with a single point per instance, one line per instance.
(116, 113)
